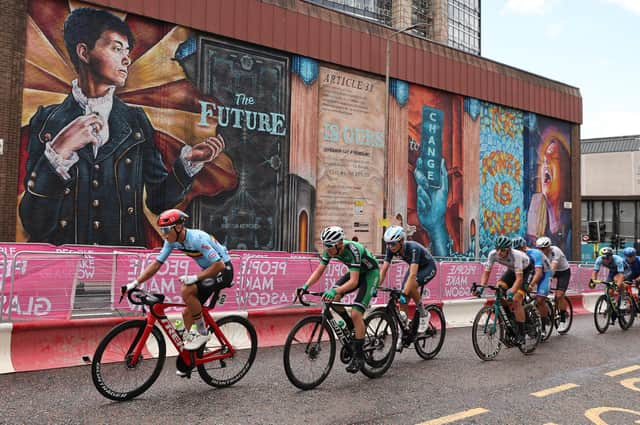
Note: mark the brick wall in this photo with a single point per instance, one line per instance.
(12, 46)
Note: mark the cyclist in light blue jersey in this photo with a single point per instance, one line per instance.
(614, 263)
(632, 265)
(541, 276)
(211, 256)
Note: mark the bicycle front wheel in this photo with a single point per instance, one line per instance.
(602, 314)
(309, 352)
(626, 313)
(487, 333)
(563, 327)
(243, 338)
(379, 343)
(114, 373)
(429, 343)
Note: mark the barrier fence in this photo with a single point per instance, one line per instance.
(63, 283)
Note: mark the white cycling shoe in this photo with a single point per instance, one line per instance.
(195, 340)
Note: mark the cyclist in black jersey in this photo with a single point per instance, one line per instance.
(363, 275)
(422, 269)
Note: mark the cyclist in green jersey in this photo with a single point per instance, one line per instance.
(363, 275)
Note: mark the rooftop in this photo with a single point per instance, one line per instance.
(610, 144)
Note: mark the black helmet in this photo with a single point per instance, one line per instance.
(502, 242)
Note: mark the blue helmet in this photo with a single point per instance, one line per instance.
(518, 242)
(629, 252)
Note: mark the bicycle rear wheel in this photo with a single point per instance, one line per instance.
(309, 352)
(429, 343)
(242, 336)
(626, 313)
(487, 333)
(602, 314)
(379, 343)
(113, 373)
(563, 327)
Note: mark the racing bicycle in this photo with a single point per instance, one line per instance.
(130, 357)
(310, 347)
(428, 343)
(612, 305)
(494, 326)
(554, 315)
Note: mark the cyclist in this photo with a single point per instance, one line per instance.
(422, 268)
(519, 268)
(211, 256)
(614, 263)
(560, 270)
(632, 265)
(363, 276)
(541, 276)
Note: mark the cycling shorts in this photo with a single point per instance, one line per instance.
(509, 277)
(544, 285)
(367, 287)
(425, 274)
(562, 279)
(207, 287)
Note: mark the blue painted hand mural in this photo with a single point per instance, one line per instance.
(432, 206)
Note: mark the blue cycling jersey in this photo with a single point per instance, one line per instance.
(615, 265)
(412, 253)
(633, 268)
(200, 246)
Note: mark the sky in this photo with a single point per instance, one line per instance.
(593, 45)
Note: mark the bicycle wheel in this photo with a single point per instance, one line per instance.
(626, 314)
(309, 352)
(532, 329)
(547, 329)
(113, 374)
(242, 336)
(379, 343)
(563, 327)
(429, 343)
(602, 314)
(487, 333)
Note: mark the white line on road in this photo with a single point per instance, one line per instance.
(623, 370)
(559, 388)
(455, 417)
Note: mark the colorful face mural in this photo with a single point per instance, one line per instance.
(125, 117)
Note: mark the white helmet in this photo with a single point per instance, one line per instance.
(331, 236)
(394, 234)
(543, 242)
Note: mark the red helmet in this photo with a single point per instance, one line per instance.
(171, 217)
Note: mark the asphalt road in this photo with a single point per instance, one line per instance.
(589, 372)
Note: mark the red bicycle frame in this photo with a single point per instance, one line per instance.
(156, 314)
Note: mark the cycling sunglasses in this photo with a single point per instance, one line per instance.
(166, 229)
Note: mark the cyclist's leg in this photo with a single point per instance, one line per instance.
(409, 290)
(541, 296)
(425, 275)
(367, 285)
(562, 283)
(506, 281)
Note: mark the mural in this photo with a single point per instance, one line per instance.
(124, 117)
(350, 155)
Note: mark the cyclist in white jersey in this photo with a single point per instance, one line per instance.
(519, 270)
(560, 269)
(211, 256)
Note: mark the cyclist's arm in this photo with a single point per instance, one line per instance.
(351, 284)
(149, 271)
(383, 270)
(211, 271)
(317, 274)
(537, 277)
(413, 272)
(485, 277)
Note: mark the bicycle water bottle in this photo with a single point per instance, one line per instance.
(341, 324)
(403, 317)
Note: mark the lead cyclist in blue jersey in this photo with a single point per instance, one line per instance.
(632, 265)
(211, 256)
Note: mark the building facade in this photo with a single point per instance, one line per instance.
(297, 93)
(610, 186)
(455, 23)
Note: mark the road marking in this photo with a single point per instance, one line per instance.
(630, 383)
(455, 417)
(559, 388)
(550, 423)
(623, 370)
(594, 414)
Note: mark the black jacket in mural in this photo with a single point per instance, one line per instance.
(102, 201)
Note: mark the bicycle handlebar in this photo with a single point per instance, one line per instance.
(594, 282)
(138, 296)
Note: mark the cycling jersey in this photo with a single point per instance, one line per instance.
(414, 253)
(355, 256)
(556, 254)
(615, 266)
(540, 260)
(516, 261)
(200, 246)
(632, 268)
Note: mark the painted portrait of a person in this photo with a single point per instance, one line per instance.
(92, 164)
(547, 215)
